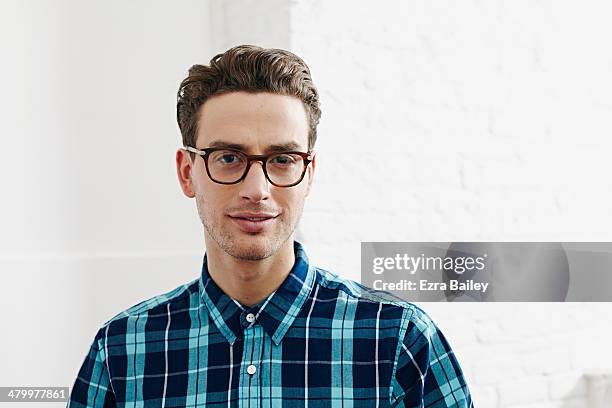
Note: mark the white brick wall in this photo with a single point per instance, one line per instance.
(528, 358)
(493, 121)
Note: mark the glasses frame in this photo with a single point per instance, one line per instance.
(263, 158)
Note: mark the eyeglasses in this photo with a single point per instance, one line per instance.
(230, 166)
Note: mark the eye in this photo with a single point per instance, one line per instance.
(283, 160)
(227, 158)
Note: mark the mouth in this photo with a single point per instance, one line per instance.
(253, 223)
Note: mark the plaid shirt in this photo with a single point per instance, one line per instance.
(317, 341)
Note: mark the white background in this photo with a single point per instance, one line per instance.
(467, 121)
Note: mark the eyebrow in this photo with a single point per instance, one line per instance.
(282, 147)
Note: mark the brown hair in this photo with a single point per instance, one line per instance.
(251, 69)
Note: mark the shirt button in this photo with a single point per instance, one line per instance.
(250, 318)
(251, 369)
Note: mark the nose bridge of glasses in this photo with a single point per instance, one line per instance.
(261, 160)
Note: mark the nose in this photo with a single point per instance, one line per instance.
(255, 187)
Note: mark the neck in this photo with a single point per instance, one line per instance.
(246, 281)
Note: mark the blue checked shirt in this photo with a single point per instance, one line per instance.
(317, 341)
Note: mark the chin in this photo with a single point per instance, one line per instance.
(249, 246)
(252, 248)
(251, 252)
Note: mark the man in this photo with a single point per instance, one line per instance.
(262, 326)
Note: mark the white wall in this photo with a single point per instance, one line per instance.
(92, 218)
(493, 120)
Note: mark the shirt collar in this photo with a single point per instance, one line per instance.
(276, 313)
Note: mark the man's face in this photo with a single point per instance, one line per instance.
(258, 123)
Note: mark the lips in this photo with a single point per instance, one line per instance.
(252, 222)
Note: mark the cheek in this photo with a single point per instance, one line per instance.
(292, 200)
(212, 198)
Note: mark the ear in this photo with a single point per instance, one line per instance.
(310, 172)
(183, 170)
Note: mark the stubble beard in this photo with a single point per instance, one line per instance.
(244, 247)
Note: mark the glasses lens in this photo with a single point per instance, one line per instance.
(285, 168)
(226, 166)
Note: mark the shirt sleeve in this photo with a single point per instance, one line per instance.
(427, 373)
(92, 387)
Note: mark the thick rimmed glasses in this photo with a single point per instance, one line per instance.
(230, 166)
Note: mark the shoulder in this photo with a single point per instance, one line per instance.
(177, 299)
(354, 291)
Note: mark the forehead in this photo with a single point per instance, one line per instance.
(253, 120)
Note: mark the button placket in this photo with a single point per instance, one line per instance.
(251, 364)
